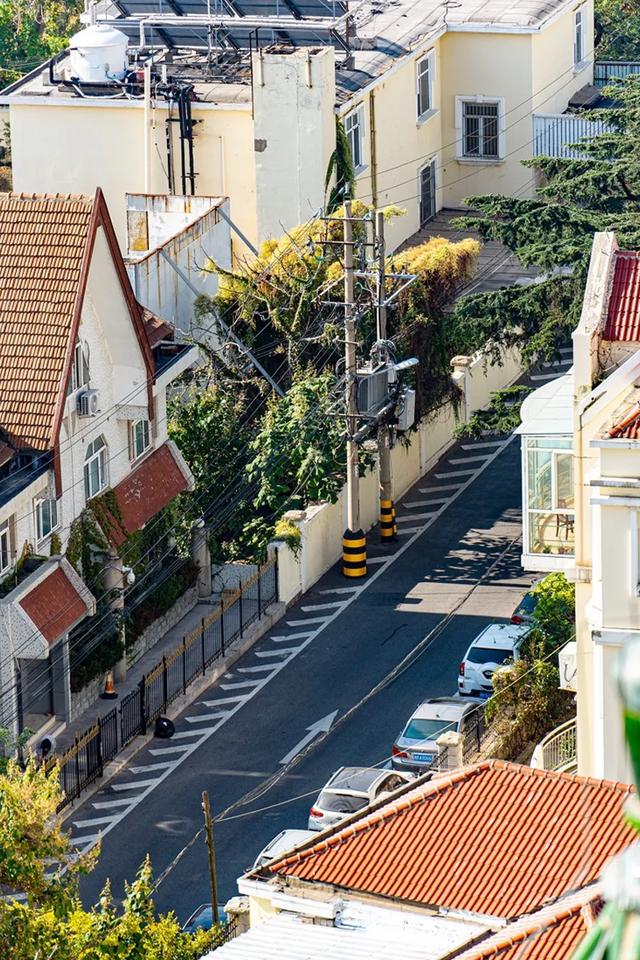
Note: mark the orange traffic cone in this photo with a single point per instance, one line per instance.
(109, 692)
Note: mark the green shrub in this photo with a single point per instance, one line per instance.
(102, 658)
(159, 601)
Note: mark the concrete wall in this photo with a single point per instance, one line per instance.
(160, 288)
(90, 145)
(294, 135)
(554, 77)
(321, 526)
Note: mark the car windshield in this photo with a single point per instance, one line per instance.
(426, 729)
(340, 802)
(488, 655)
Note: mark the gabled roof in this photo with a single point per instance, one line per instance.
(623, 313)
(56, 604)
(46, 243)
(552, 933)
(497, 839)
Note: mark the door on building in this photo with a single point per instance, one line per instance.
(35, 693)
(427, 184)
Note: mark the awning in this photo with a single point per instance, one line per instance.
(54, 600)
(548, 411)
(160, 477)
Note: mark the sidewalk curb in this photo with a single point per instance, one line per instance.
(237, 649)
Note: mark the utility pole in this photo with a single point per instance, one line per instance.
(388, 527)
(208, 826)
(354, 547)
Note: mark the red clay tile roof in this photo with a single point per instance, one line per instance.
(147, 489)
(54, 605)
(42, 245)
(495, 838)
(157, 329)
(628, 428)
(623, 315)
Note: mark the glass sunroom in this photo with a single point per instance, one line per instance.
(548, 504)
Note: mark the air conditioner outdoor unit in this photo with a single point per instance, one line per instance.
(88, 403)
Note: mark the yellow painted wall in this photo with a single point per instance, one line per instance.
(110, 155)
(554, 78)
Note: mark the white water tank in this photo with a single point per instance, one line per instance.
(98, 54)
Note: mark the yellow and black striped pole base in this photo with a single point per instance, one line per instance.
(354, 554)
(388, 528)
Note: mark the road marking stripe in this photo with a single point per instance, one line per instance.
(303, 623)
(259, 669)
(380, 559)
(455, 473)
(136, 783)
(81, 841)
(323, 606)
(220, 703)
(545, 376)
(161, 751)
(207, 717)
(414, 516)
(338, 590)
(437, 489)
(189, 734)
(481, 446)
(293, 636)
(92, 822)
(425, 503)
(383, 563)
(282, 652)
(122, 802)
(464, 460)
(238, 684)
(404, 530)
(155, 766)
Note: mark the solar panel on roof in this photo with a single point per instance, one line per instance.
(245, 8)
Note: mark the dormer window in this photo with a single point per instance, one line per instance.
(80, 367)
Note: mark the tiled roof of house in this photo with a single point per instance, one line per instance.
(552, 933)
(495, 838)
(42, 245)
(157, 329)
(628, 428)
(623, 315)
(146, 490)
(54, 605)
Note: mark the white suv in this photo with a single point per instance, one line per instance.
(496, 644)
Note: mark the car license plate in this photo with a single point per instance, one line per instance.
(423, 757)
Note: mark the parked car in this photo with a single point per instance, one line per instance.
(415, 748)
(284, 841)
(525, 611)
(498, 643)
(202, 918)
(349, 790)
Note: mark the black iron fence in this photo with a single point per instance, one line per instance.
(84, 762)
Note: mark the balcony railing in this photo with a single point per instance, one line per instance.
(558, 750)
(559, 134)
(606, 70)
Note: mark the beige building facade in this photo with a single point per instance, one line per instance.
(434, 112)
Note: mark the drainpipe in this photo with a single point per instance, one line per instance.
(147, 124)
(372, 140)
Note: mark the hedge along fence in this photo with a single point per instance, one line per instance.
(321, 525)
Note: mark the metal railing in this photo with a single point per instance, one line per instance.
(84, 762)
(559, 134)
(558, 750)
(606, 70)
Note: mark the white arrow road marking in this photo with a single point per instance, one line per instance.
(320, 726)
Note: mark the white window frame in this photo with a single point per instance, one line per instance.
(80, 375)
(460, 154)
(354, 128)
(426, 64)
(38, 505)
(556, 451)
(92, 454)
(5, 547)
(579, 36)
(135, 453)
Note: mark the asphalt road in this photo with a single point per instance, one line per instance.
(335, 651)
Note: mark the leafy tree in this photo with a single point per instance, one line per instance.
(36, 860)
(501, 416)
(554, 231)
(617, 29)
(33, 30)
(555, 612)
